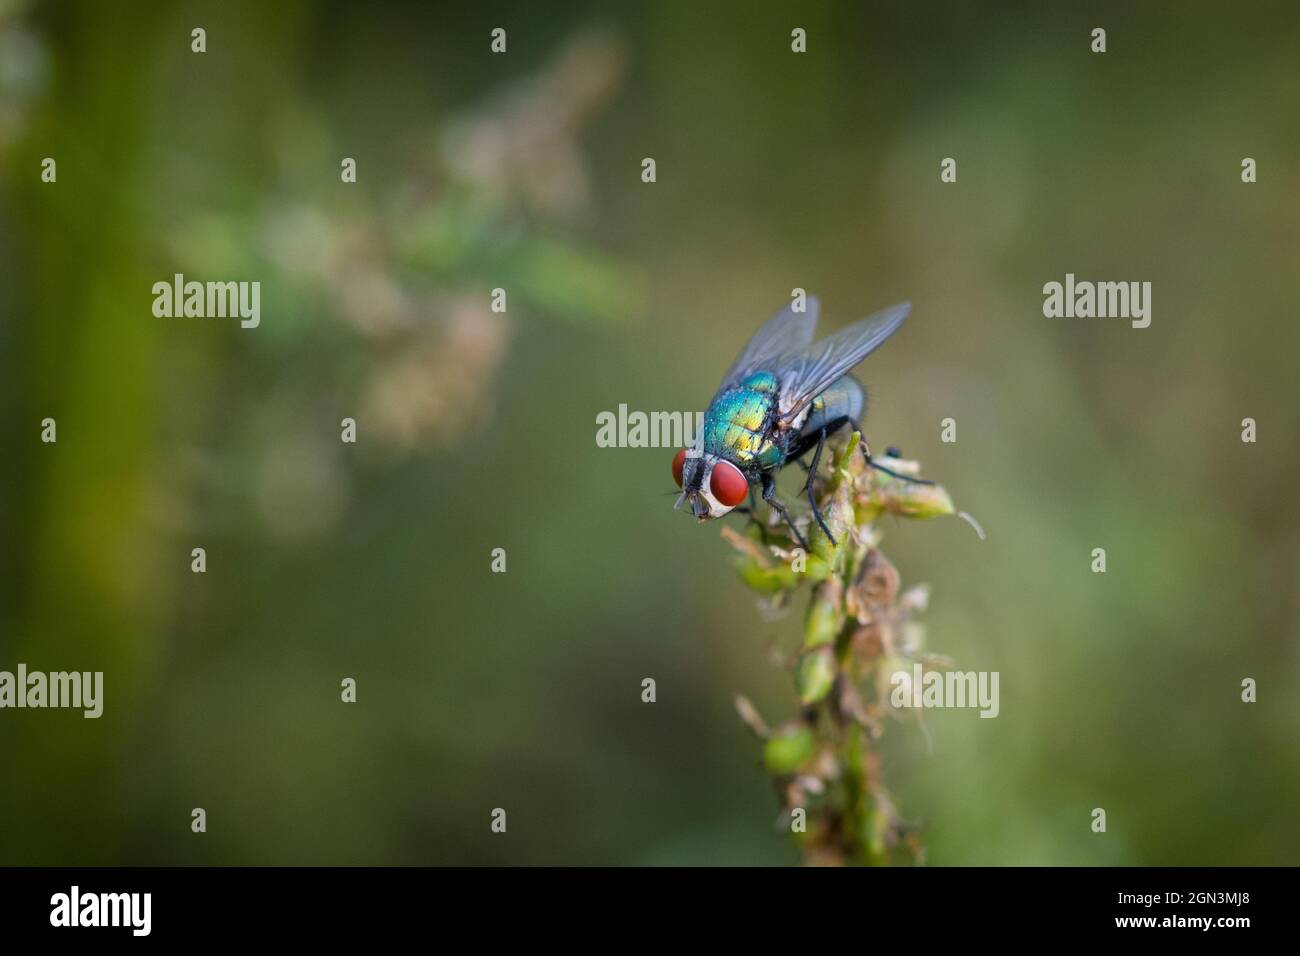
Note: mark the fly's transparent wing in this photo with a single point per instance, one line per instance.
(785, 334)
(808, 375)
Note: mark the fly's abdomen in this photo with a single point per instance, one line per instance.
(843, 399)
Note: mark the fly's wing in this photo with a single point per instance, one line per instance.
(787, 333)
(808, 375)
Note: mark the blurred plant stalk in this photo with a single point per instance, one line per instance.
(859, 629)
(406, 287)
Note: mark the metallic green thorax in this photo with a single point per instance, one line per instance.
(740, 425)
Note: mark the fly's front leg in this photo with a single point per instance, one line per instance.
(752, 512)
(769, 495)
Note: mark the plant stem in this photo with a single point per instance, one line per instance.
(826, 762)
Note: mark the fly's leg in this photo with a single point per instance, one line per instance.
(808, 486)
(866, 453)
(769, 495)
(752, 513)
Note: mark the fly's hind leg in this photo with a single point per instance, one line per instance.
(769, 495)
(866, 453)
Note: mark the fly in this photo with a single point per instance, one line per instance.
(782, 397)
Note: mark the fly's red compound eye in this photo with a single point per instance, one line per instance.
(679, 459)
(728, 485)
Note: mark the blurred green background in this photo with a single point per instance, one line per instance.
(476, 429)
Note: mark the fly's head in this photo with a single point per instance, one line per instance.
(711, 485)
